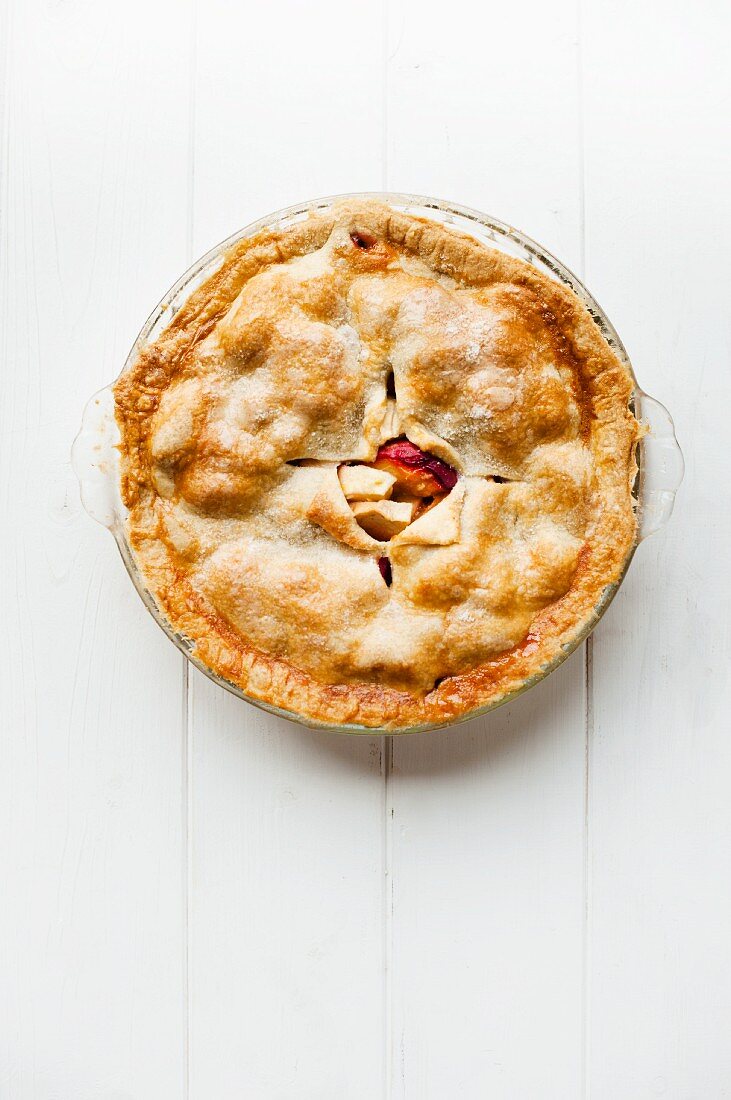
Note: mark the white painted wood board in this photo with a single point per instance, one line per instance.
(200, 900)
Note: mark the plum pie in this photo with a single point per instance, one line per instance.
(376, 472)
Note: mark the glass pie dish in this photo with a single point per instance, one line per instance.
(96, 457)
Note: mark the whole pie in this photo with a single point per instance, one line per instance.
(376, 472)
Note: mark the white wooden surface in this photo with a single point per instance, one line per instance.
(201, 902)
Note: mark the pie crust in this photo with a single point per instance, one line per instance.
(250, 435)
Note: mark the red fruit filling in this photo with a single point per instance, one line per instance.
(384, 565)
(419, 472)
(362, 240)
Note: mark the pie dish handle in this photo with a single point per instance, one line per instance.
(661, 465)
(95, 459)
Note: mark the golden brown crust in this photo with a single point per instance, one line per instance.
(283, 355)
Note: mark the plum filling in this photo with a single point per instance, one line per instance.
(421, 473)
(362, 240)
(387, 495)
(384, 565)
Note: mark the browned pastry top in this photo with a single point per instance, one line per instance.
(259, 509)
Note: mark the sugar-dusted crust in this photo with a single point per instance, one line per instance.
(282, 358)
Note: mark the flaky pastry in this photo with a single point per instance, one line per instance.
(377, 472)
